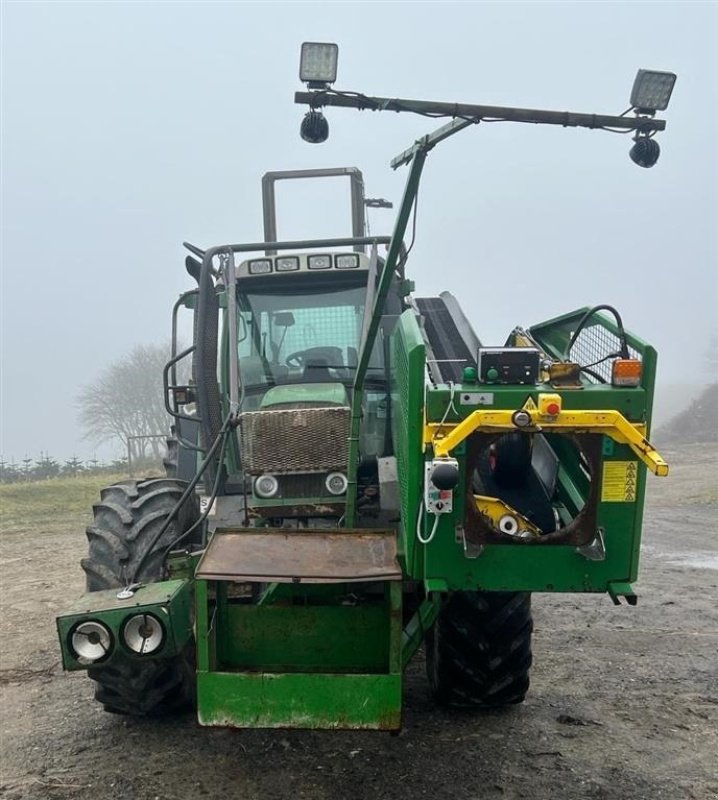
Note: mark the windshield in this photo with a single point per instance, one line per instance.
(305, 334)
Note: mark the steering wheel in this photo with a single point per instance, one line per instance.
(331, 355)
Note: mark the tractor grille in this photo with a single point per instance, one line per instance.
(295, 440)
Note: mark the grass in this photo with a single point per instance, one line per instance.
(32, 507)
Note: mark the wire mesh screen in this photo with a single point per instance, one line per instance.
(595, 348)
(295, 440)
(323, 327)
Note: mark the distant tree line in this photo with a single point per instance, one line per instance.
(124, 406)
(29, 469)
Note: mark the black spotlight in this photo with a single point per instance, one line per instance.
(445, 474)
(645, 152)
(315, 128)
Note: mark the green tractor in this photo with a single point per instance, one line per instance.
(353, 475)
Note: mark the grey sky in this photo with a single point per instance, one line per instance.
(128, 127)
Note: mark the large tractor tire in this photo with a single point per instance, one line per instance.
(126, 520)
(478, 654)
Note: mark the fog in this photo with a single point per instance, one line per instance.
(130, 127)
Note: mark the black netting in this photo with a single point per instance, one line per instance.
(597, 344)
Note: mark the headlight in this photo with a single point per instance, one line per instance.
(266, 486)
(143, 634)
(347, 261)
(336, 483)
(260, 266)
(319, 262)
(287, 264)
(91, 641)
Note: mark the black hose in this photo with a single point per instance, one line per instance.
(210, 500)
(619, 324)
(204, 366)
(220, 440)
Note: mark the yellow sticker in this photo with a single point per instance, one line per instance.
(620, 480)
(529, 405)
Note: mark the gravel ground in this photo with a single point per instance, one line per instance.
(623, 703)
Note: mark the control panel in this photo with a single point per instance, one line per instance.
(506, 365)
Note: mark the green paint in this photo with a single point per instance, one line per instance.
(387, 274)
(298, 638)
(418, 625)
(299, 700)
(327, 394)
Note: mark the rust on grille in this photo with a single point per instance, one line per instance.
(295, 440)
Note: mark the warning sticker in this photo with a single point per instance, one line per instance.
(529, 405)
(620, 479)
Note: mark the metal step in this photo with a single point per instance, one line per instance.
(307, 556)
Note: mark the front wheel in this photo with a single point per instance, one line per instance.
(126, 520)
(478, 653)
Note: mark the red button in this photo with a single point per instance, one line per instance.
(553, 409)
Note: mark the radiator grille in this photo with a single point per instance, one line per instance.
(295, 440)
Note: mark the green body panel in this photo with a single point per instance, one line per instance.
(169, 601)
(521, 566)
(288, 638)
(408, 365)
(302, 657)
(328, 394)
(299, 700)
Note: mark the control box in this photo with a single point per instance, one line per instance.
(436, 501)
(509, 365)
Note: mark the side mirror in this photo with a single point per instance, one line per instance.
(283, 319)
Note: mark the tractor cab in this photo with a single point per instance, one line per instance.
(299, 325)
(281, 332)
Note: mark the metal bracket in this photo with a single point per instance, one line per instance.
(625, 590)
(471, 549)
(595, 550)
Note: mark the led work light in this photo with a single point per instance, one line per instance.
(652, 90)
(260, 266)
(287, 264)
(319, 262)
(347, 261)
(318, 64)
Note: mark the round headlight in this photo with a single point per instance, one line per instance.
(336, 483)
(91, 641)
(266, 486)
(143, 634)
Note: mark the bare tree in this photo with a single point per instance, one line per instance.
(126, 401)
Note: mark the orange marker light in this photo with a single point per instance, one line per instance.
(626, 372)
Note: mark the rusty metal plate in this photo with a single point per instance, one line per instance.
(308, 556)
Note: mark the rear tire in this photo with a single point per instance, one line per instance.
(126, 520)
(478, 654)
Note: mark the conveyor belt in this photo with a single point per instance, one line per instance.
(449, 348)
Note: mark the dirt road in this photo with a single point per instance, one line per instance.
(623, 703)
